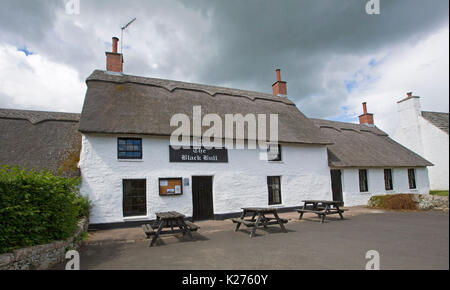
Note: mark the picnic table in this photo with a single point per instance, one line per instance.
(322, 208)
(259, 219)
(170, 220)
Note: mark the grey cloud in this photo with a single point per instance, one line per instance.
(302, 36)
(232, 43)
(24, 21)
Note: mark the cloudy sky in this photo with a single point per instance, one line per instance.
(332, 53)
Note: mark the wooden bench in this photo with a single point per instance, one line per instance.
(317, 207)
(245, 222)
(266, 221)
(148, 230)
(273, 221)
(259, 219)
(193, 227)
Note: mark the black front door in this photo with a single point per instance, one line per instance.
(202, 197)
(336, 185)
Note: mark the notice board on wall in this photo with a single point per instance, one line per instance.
(170, 186)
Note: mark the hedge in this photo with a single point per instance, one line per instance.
(37, 208)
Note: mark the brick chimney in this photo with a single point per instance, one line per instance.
(114, 60)
(279, 87)
(366, 118)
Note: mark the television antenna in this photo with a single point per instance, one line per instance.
(123, 28)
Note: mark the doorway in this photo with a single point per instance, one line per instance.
(202, 197)
(336, 185)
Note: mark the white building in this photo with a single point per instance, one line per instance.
(364, 162)
(425, 133)
(129, 171)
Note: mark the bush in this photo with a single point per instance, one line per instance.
(83, 206)
(37, 208)
(394, 201)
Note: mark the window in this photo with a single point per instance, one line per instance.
(388, 185)
(129, 148)
(363, 185)
(274, 185)
(274, 152)
(412, 179)
(134, 197)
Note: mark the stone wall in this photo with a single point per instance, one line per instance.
(42, 257)
(429, 202)
(419, 201)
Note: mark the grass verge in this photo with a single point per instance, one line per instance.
(439, 192)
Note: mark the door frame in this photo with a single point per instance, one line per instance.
(212, 196)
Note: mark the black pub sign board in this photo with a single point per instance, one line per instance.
(213, 155)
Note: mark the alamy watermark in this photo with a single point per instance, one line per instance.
(234, 131)
(74, 262)
(72, 7)
(374, 260)
(373, 7)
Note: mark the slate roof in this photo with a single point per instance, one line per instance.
(439, 120)
(40, 140)
(362, 146)
(124, 104)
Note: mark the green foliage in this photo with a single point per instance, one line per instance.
(83, 206)
(376, 201)
(439, 192)
(37, 208)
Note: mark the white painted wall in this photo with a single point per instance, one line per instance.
(422, 137)
(435, 145)
(240, 183)
(408, 132)
(350, 184)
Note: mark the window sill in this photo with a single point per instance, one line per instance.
(130, 160)
(135, 218)
(275, 162)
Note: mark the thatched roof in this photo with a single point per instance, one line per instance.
(439, 120)
(362, 146)
(123, 104)
(40, 140)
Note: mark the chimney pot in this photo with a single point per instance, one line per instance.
(409, 94)
(278, 75)
(115, 42)
(364, 108)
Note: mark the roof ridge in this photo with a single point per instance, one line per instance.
(433, 112)
(36, 117)
(208, 89)
(361, 127)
